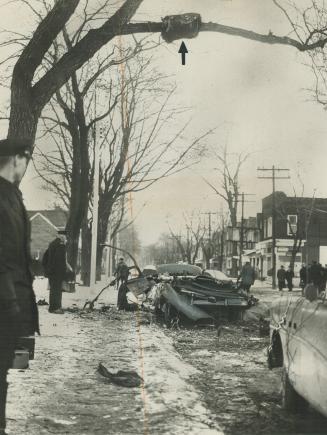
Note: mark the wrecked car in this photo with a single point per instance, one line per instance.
(298, 345)
(182, 292)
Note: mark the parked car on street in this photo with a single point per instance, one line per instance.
(179, 269)
(298, 328)
(218, 275)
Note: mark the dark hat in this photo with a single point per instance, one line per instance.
(12, 147)
(63, 232)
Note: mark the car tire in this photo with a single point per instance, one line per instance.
(292, 401)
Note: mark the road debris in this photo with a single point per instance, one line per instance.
(123, 378)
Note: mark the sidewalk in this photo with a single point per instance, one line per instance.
(62, 393)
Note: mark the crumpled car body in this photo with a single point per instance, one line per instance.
(298, 329)
(164, 293)
(196, 297)
(181, 290)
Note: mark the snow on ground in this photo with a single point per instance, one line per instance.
(62, 392)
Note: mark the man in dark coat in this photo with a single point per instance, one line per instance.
(303, 276)
(324, 278)
(289, 278)
(281, 275)
(247, 276)
(56, 269)
(121, 274)
(315, 274)
(18, 310)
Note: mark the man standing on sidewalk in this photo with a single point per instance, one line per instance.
(303, 277)
(56, 269)
(121, 274)
(289, 275)
(18, 310)
(281, 276)
(315, 273)
(247, 276)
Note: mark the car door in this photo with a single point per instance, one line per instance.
(304, 340)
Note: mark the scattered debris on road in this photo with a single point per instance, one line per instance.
(123, 378)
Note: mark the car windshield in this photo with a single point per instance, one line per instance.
(150, 270)
(179, 269)
(217, 274)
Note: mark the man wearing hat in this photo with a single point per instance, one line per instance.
(18, 310)
(121, 274)
(56, 268)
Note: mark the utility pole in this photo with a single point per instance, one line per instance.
(222, 235)
(242, 225)
(209, 214)
(109, 272)
(222, 244)
(177, 247)
(273, 177)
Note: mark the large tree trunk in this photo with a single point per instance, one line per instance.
(104, 212)
(86, 253)
(99, 262)
(24, 114)
(80, 181)
(297, 243)
(23, 119)
(25, 106)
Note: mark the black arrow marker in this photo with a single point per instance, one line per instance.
(183, 50)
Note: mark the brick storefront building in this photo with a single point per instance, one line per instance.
(297, 219)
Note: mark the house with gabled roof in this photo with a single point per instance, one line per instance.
(44, 227)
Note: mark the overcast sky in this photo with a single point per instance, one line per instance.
(256, 95)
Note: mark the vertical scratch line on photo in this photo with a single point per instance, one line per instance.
(141, 358)
(125, 126)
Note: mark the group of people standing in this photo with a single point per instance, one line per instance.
(314, 274)
(285, 277)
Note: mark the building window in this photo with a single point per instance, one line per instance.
(236, 234)
(268, 227)
(291, 224)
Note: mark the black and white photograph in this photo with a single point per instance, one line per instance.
(163, 217)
